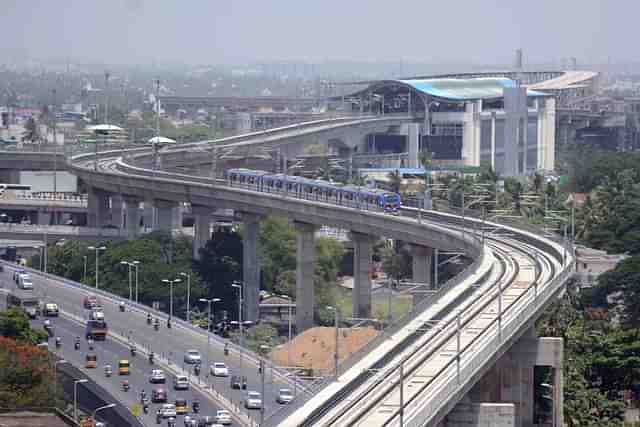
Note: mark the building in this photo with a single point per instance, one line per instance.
(591, 263)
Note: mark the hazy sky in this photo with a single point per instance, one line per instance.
(226, 31)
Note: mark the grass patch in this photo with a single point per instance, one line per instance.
(400, 304)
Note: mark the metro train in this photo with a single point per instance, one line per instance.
(316, 189)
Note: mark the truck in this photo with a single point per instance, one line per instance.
(96, 330)
(25, 301)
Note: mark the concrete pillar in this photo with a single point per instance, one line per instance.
(511, 379)
(201, 228)
(97, 208)
(44, 218)
(251, 266)
(178, 213)
(117, 212)
(132, 215)
(422, 257)
(413, 144)
(149, 215)
(304, 276)
(165, 215)
(361, 296)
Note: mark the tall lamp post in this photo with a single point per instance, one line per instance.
(290, 300)
(188, 276)
(110, 405)
(170, 282)
(336, 356)
(75, 396)
(129, 264)
(97, 249)
(239, 287)
(209, 302)
(84, 275)
(136, 264)
(55, 380)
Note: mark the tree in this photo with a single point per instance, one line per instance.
(15, 324)
(277, 249)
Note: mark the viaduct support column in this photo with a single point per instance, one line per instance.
(98, 208)
(251, 266)
(201, 228)
(304, 276)
(117, 213)
(413, 144)
(421, 265)
(165, 220)
(132, 215)
(361, 296)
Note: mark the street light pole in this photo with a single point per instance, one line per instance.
(209, 302)
(336, 355)
(55, 380)
(127, 263)
(97, 249)
(75, 397)
(238, 286)
(170, 282)
(93, 415)
(288, 298)
(84, 275)
(136, 263)
(188, 276)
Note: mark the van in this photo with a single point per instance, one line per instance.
(24, 282)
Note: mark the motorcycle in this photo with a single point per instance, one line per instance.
(133, 351)
(156, 324)
(145, 407)
(125, 385)
(149, 318)
(121, 307)
(151, 357)
(143, 397)
(196, 370)
(196, 406)
(76, 345)
(107, 371)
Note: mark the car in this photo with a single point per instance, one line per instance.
(223, 417)
(90, 301)
(206, 422)
(181, 382)
(238, 382)
(24, 281)
(192, 357)
(253, 400)
(50, 309)
(17, 274)
(159, 395)
(157, 377)
(285, 395)
(167, 410)
(219, 369)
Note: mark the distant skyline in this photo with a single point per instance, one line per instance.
(227, 31)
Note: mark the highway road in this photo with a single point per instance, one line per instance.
(169, 344)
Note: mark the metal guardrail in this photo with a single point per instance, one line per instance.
(69, 230)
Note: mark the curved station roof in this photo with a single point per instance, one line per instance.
(457, 89)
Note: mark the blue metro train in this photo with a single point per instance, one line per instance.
(316, 189)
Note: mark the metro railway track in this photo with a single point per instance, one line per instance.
(390, 386)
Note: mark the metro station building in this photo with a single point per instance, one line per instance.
(480, 121)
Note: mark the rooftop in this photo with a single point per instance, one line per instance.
(568, 80)
(465, 89)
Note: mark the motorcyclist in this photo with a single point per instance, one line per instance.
(125, 385)
(107, 370)
(90, 343)
(226, 349)
(151, 357)
(76, 344)
(121, 305)
(143, 396)
(156, 324)
(149, 318)
(133, 350)
(58, 342)
(47, 324)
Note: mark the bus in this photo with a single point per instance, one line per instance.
(26, 301)
(96, 330)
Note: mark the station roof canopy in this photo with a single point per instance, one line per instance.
(456, 89)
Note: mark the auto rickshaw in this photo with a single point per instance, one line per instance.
(123, 367)
(91, 361)
(181, 406)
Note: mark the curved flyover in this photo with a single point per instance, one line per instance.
(531, 269)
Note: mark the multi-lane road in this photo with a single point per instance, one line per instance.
(168, 344)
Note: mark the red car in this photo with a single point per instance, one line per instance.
(90, 301)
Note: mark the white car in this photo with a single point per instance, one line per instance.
(157, 376)
(223, 417)
(192, 357)
(253, 400)
(285, 396)
(181, 382)
(219, 369)
(50, 309)
(168, 410)
(24, 281)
